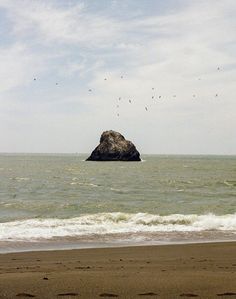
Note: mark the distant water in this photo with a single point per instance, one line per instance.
(63, 201)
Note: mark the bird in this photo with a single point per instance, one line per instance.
(119, 98)
(152, 88)
(159, 97)
(218, 68)
(56, 83)
(90, 90)
(34, 79)
(152, 97)
(105, 79)
(121, 77)
(129, 101)
(118, 114)
(216, 95)
(146, 108)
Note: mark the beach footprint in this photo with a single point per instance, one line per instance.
(148, 294)
(26, 295)
(188, 295)
(67, 294)
(227, 294)
(108, 295)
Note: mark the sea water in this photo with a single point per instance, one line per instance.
(62, 201)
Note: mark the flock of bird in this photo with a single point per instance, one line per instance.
(153, 97)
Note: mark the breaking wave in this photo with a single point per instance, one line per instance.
(113, 223)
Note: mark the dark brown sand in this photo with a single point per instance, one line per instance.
(176, 271)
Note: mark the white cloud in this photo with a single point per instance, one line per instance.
(65, 24)
(170, 52)
(16, 62)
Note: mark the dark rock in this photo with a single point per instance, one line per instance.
(114, 147)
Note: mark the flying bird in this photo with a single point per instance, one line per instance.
(105, 79)
(146, 108)
(159, 97)
(90, 90)
(129, 101)
(34, 79)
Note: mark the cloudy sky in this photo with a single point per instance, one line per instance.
(69, 47)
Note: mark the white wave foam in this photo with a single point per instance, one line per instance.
(84, 184)
(20, 179)
(230, 183)
(115, 189)
(113, 223)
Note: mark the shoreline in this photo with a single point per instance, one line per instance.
(204, 270)
(8, 247)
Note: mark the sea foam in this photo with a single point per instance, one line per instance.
(113, 223)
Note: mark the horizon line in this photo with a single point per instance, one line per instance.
(145, 154)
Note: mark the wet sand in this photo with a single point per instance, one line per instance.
(170, 271)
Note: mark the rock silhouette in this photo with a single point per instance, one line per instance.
(114, 147)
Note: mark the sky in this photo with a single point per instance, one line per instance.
(177, 58)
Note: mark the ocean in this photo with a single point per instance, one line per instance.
(57, 201)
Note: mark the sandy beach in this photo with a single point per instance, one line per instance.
(169, 271)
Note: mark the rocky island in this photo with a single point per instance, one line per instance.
(114, 147)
